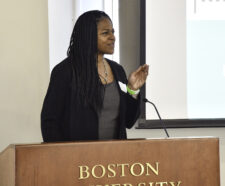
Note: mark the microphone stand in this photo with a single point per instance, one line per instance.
(163, 125)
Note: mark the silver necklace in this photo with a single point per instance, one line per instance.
(105, 71)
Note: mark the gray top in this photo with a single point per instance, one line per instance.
(108, 118)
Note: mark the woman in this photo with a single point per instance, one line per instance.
(87, 98)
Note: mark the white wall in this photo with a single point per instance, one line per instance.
(86, 5)
(24, 69)
(61, 21)
(166, 56)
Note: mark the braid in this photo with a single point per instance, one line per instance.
(83, 54)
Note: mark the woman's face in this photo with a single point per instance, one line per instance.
(106, 38)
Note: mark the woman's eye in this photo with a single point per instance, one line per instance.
(104, 33)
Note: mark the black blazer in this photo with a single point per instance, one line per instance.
(63, 120)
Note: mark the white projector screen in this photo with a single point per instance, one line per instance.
(185, 49)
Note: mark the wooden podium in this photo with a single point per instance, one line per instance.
(153, 162)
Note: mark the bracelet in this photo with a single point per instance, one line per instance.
(132, 92)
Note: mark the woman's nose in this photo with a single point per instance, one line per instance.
(112, 36)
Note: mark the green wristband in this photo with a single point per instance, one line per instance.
(132, 92)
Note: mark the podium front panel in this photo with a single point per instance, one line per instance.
(155, 162)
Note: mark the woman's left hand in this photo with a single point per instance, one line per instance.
(137, 78)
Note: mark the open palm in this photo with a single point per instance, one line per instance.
(137, 78)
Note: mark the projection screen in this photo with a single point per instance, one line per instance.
(184, 47)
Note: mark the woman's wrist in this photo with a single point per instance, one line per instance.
(132, 92)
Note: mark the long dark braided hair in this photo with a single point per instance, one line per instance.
(83, 52)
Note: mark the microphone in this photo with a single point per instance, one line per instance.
(162, 123)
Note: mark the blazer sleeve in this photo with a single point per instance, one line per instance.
(132, 112)
(53, 106)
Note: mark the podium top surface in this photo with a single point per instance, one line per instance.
(71, 143)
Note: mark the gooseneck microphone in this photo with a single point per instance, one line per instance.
(162, 123)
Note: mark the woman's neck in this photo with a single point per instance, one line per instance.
(100, 58)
